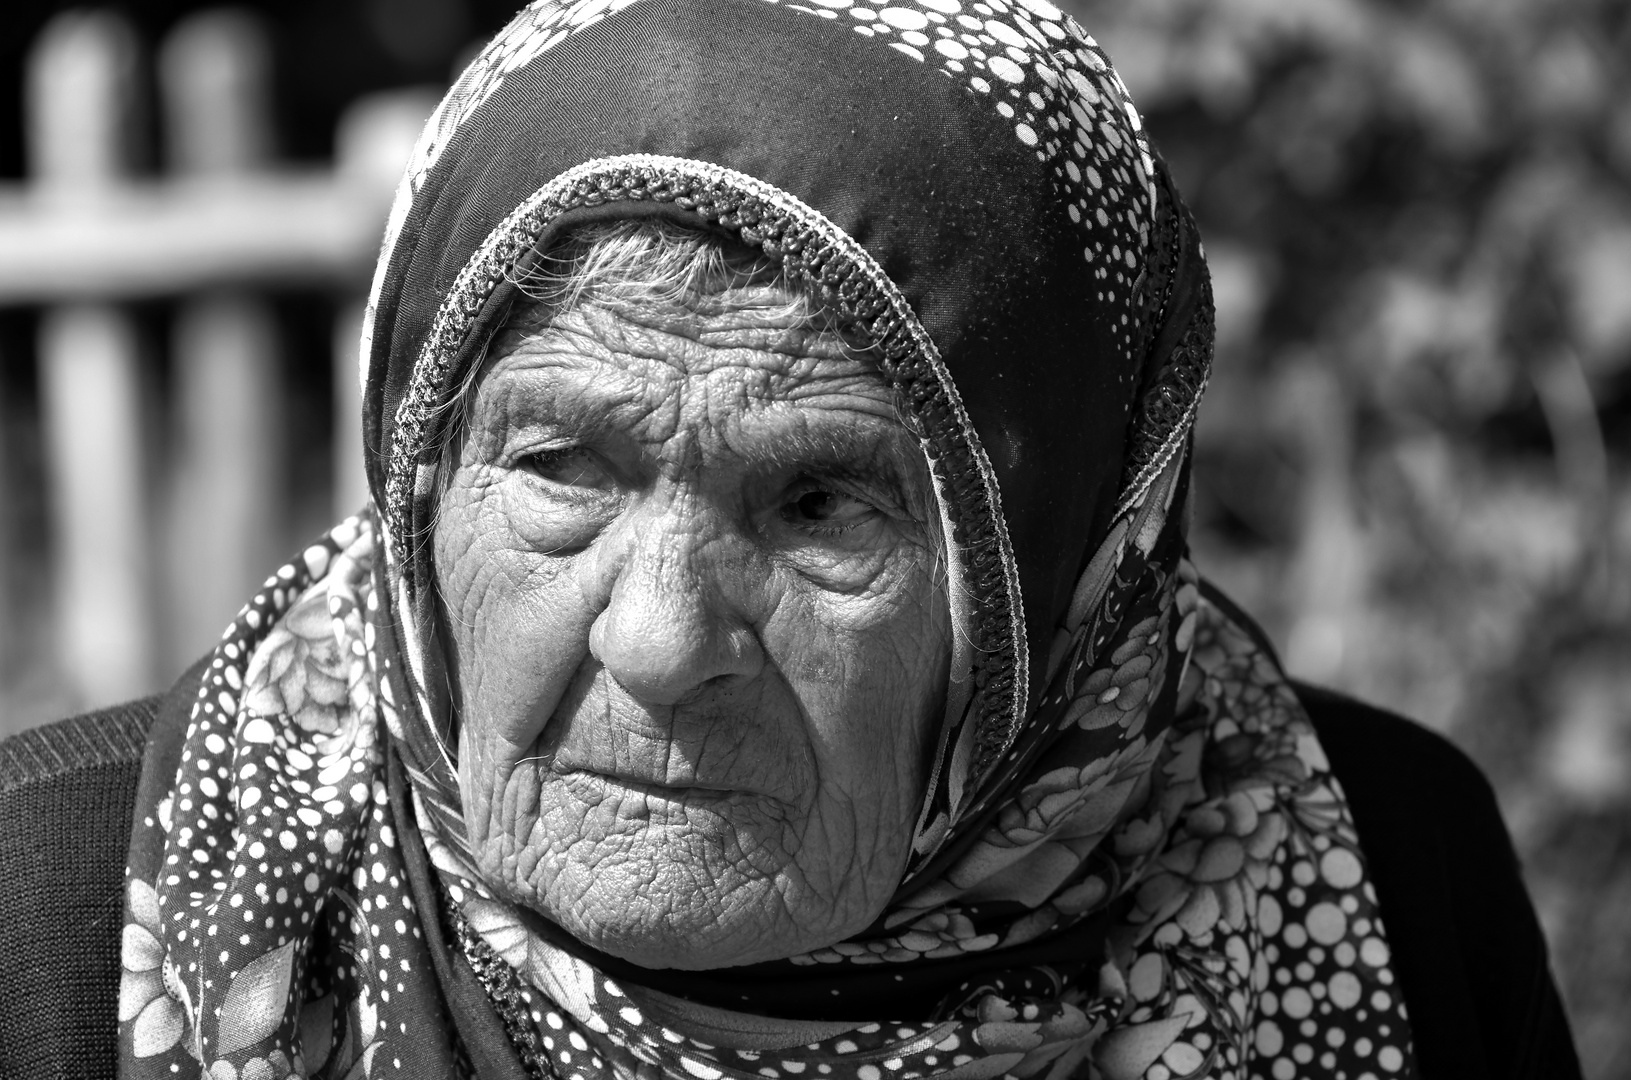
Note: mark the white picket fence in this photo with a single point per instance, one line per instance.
(153, 552)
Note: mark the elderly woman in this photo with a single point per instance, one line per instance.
(772, 650)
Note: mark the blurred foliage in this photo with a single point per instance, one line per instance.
(1413, 457)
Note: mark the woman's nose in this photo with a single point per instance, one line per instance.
(671, 626)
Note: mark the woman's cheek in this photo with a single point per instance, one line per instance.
(519, 622)
(523, 652)
(860, 563)
(526, 642)
(518, 625)
(869, 669)
(547, 521)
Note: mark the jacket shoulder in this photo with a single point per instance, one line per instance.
(1467, 948)
(1375, 749)
(66, 796)
(52, 753)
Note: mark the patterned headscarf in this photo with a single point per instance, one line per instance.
(1131, 859)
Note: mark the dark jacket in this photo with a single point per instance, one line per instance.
(1466, 946)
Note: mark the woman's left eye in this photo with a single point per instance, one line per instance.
(821, 509)
(572, 467)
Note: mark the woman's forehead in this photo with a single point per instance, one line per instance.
(779, 355)
(775, 390)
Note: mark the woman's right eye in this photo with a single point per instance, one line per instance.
(562, 499)
(570, 467)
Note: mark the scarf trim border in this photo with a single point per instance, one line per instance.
(812, 249)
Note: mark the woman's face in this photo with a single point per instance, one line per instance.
(691, 577)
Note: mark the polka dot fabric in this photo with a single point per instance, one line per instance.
(272, 932)
(269, 929)
(1251, 947)
(1133, 861)
(1039, 70)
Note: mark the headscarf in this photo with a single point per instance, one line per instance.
(1132, 858)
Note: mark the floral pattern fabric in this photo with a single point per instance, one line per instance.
(1138, 867)
(1251, 946)
(267, 923)
(276, 934)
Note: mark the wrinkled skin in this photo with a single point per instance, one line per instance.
(691, 575)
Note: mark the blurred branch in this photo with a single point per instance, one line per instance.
(1582, 460)
(129, 239)
(1330, 569)
(151, 239)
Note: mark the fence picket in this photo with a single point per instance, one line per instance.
(81, 89)
(226, 523)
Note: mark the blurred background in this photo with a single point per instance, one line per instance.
(1412, 460)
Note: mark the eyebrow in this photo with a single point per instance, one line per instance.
(821, 442)
(570, 402)
(874, 451)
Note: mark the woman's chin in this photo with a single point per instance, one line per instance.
(749, 925)
(686, 878)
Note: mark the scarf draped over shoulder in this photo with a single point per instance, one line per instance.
(1132, 859)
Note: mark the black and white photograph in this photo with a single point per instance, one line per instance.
(815, 539)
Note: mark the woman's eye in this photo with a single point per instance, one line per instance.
(572, 467)
(825, 510)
